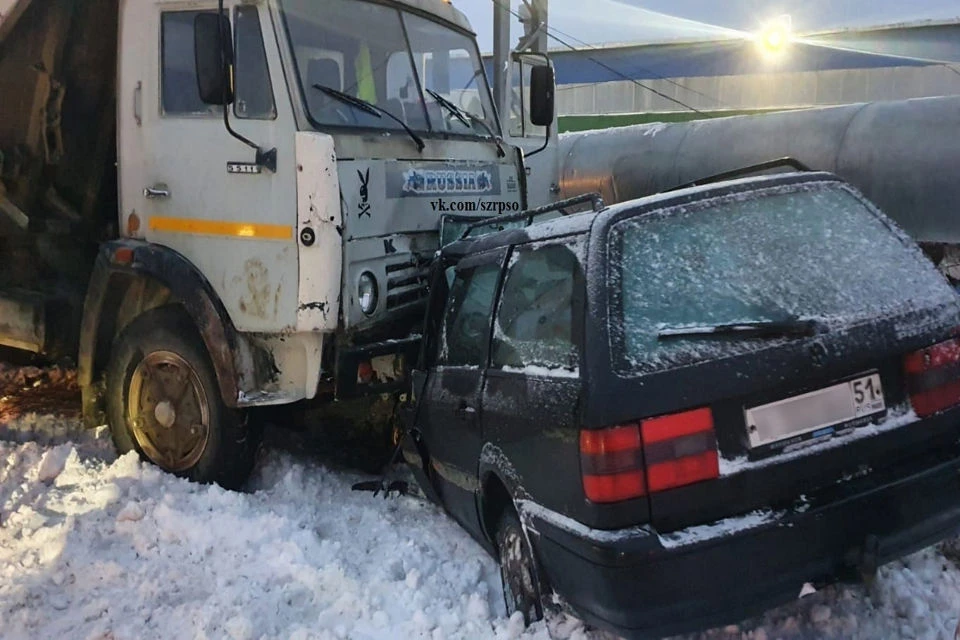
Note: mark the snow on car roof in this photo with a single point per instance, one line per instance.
(582, 222)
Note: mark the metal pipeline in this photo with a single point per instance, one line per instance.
(903, 155)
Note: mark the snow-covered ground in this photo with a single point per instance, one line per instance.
(97, 547)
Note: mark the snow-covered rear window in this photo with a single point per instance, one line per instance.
(800, 252)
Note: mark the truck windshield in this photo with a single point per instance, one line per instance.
(804, 255)
(388, 58)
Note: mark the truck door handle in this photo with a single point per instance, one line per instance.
(156, 192)
(465, 411)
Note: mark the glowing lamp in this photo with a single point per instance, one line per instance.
(775, 37)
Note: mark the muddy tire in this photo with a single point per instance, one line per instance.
(163, 401)
(518, 569)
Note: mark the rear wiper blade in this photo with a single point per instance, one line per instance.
(467, 118)
(369, 107)
(761, 328)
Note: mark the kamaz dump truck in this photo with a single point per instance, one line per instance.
(215, 206)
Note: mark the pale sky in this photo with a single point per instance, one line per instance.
(599, 21)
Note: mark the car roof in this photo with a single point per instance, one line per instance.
(583, 222)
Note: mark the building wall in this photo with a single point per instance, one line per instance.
(760, 91)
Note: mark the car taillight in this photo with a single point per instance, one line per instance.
(611, 461)
(680, 449)
(662, 453)
(933, 377)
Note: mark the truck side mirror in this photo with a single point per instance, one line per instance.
(213, 47)
(543, 89)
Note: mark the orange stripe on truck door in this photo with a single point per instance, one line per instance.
(221, 228)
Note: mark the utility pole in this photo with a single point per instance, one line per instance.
(501, 55)
(533, 40)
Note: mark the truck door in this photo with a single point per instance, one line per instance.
(178, 164)
(450, 417)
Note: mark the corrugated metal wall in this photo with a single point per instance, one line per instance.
(760, 91)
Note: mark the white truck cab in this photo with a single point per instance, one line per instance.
(257, 222)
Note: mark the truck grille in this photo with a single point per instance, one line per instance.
(407, 282)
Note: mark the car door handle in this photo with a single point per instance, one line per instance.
(465, 411)
(156, 192)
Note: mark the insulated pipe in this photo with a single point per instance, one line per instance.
(903, 155)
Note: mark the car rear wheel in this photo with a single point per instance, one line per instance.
(163, 401)
(518, 569)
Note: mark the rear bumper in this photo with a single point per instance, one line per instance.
(641, 585)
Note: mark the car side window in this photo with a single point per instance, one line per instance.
(465, 334)
(536, 320)
(180, 92)
(252, 75)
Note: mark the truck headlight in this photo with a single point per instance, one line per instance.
(368, 293)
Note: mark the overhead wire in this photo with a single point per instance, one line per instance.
(551, 33)
(646, 70)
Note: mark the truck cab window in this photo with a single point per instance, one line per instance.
(520, 125)
(254, 94)
(393, 59)
(358, 48)
(465, 335)
(540, 301)
(178, 73)
(448, 64)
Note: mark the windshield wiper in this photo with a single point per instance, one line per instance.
(467, 118)
(368, 107)
(760, 328)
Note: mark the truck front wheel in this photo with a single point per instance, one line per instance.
(163, 401)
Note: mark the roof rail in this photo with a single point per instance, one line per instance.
(595, 200)
(744, 171)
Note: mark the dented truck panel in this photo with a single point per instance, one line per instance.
(292, 365)
(252, 369)
(319, 231)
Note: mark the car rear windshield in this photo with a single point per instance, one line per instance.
(810, 252)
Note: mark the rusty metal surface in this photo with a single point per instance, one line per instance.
(57, 140)
(187, 286)
(168, 411)
(22, 322)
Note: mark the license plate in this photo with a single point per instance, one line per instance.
(816, 414)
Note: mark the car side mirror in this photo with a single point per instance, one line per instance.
(213, 47)
(543, 90)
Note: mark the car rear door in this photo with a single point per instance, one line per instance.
(449, 417)
(532, 394)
